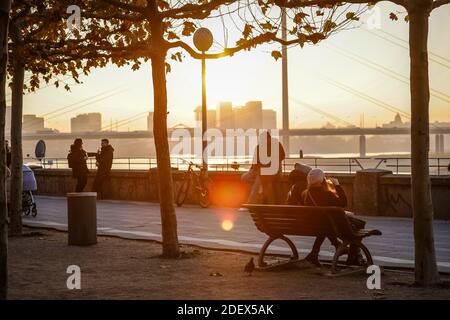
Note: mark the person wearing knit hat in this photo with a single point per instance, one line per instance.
(326, 192)
(297, 181)
(315, 177)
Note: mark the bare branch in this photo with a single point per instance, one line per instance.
(322, 3)
(260, 39)
(191, 10)
(125, 6)
(439, 3)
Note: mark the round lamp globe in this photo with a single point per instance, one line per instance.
(203, 39)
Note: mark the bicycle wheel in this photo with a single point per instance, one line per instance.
(183, 191)
(34, 210)
(204, 200)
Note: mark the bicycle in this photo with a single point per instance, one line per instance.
(200, 181)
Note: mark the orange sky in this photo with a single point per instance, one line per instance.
(256, 75)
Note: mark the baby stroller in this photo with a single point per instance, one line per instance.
(29, 185)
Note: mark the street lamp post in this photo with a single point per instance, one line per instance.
(203, 40)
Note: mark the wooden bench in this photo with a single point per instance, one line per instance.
(280, 221)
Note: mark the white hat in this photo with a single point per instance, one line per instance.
(303, 168)
(315, 176)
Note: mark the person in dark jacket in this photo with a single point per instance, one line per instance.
(77, 161)
(104, 159)
(297, 181)
(327, 193)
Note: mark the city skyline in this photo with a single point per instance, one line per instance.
(92, 122)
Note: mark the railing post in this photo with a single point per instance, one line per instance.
(439, 166)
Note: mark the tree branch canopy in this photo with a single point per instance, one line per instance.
(125, 6)
(439, 3)
(260, 39)
(191, 10)
(325, 3)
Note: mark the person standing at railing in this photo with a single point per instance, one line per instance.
(267, 161)
(104, 160)
(76, 159)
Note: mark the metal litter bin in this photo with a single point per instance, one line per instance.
(82, 218)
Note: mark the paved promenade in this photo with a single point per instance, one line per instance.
(206, 228)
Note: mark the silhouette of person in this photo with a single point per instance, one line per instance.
(104, 159)
(268, 158)
(77, 158)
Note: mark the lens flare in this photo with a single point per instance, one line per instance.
(227, 225)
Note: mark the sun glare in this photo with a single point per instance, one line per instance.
(227, 225)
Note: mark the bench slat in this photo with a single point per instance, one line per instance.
(301, 220)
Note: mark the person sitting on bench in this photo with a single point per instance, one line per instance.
(297, 181)
(328, 192)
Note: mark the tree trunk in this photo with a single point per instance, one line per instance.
(426, 272)
(15, 227)
(165, 182)
(4, 19)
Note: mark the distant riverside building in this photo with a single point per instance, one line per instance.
(254, 114)
(269, 118)
(32, 124)
(150, 122)
(329, 125)
(225, 116)
(250, 116)
(86, 122)
(210, 115)
(397, 123)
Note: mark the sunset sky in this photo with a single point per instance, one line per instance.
(255, 75)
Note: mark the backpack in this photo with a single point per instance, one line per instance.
(71, 160)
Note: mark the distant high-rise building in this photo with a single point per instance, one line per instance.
(240, 118)
(150, 122)
(225, 116)
(32, 124)
(210, 117)
(249, 116)
(269, 119)
(86, 122)
(254, 114)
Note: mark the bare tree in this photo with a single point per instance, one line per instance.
(426, 271)
(5, 7)
(37, 31)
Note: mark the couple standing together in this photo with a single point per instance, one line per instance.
(77, 159)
